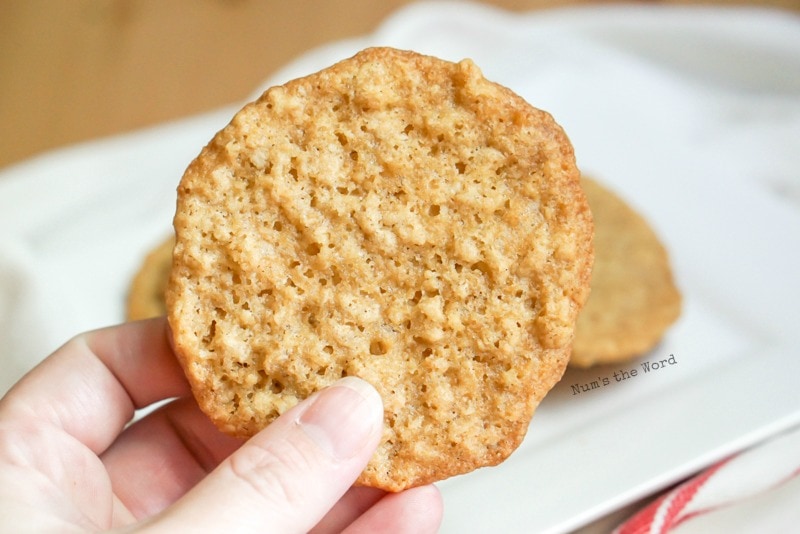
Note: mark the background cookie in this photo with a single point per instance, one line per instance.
(395, 217)
(634, 298)
(146, 293)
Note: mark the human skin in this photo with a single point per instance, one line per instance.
(70, 461)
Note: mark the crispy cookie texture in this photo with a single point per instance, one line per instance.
(634, 298)
(395, 217)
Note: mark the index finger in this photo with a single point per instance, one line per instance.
(92, 385)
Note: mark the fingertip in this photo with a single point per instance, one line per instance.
(345, 420)
(427, 505)
(362, 387)
(415, 511)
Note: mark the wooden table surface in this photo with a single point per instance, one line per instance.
(72, 70)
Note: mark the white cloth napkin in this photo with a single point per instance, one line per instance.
(691, 114)
(755, 491)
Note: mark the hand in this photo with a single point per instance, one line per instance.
(70, 462)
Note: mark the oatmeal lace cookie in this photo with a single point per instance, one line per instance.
(395, 217)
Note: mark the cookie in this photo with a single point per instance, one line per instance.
(146, 293)
(394, 217)
(605, 332)
(634, 299)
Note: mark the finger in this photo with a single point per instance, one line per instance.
(140, 357)
(415, 511)
(162, 456)
(355, 502)
(91, 386)
(289, 475)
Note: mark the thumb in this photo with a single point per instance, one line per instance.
(291, 473)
